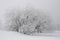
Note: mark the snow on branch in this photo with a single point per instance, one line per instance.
(28, 21)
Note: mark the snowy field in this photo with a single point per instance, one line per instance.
(6, 35)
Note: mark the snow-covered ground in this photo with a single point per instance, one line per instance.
(9, 35)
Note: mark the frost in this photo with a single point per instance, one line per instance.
(28, 21)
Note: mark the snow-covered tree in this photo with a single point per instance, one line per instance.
(28, 21)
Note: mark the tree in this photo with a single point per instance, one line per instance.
(29, 21)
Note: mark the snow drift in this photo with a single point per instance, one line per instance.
(9, 35)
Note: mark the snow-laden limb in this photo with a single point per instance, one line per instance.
(28, 21)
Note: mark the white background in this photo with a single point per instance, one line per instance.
(52, 6)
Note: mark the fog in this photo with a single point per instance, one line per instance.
(50, 6)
